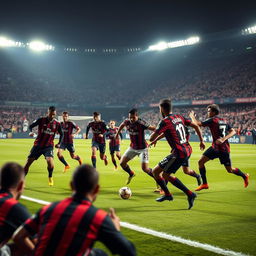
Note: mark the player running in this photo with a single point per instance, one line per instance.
(99, 129)
(221, 131)
(138, 147)
(67, 143)
(172, 127)
(47, 128)
(114, 144)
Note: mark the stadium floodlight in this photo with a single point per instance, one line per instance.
(40, 46)
(249, 31)
(158, 47)
(5, 42)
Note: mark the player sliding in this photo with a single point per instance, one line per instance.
(67, 143)
(43, 145)
(221, 132)
(114, 143)
(99, 129)
(173, 128)
(138, 147)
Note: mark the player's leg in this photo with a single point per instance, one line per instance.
(127, 156)
(50, 167)
(144, 158)
(102, 148)
(35, 153)
(190, 172)
(118, 155)
(71, 150)
(113, 159)
(61, 158)
(27, 165)
(93, 157)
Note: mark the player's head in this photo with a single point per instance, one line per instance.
(12, 178)
(112, 123)
(133, 115)
(85, 181)
(96, 116)
(165, 107)
(51, 112)
(65, 116)
(213, 110)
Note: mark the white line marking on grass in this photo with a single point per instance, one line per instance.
(163, 235)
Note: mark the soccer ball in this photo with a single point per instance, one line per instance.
(125, 192)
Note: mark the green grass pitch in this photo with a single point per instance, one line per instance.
(223, 216)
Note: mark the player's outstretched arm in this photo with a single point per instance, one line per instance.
(199, 134)
(87, 131)
(120, 128)
(34, 124)
(157, 139)
(61, 134)
(231, 133)
(152, 128)
(193, 117)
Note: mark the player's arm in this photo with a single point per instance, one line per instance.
(78, 129)
(193, 117)
(156, 139)
(121, 136)
(199, 134)
(87, 131)
(152, 128)
(120, 128)
(231, 133)
(61, 136)
(34, 124)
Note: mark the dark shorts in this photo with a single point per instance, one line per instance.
(37, 151)
(113, 149)
(224, 157)
(101, 147)
(185, 163)
(69, 147)
(172, 163)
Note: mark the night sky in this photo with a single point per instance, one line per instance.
(120, 23)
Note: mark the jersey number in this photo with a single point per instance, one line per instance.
(182, 133)
(223, 130)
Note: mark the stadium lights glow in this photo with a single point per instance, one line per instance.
(249, 31)
(5, 42)
(163, 45)
(40, 46)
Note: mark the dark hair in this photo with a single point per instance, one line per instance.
(10, 175)
(214, 108)
(96, 113)
(166, 104)
(133, 111)
(85, 178)
(51, 108)
(65, 113)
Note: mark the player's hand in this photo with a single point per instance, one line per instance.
(153, 143)
(31, 134)
(191, 114)
(220, 141)
(202, 146)
(115, 218)
(57, 145)
(101, 135)
(72, 135)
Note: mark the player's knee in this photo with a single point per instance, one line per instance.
(166, 176)
(201, 163)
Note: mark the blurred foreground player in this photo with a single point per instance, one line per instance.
(138, 147)
(221, 132)
(173, 129)
(47, 128)
(12, 213)
(72, 226)
(114, 143)
(99, 129)
(67, 142)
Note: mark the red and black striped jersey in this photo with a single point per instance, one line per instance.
(219, 128)
(137, 133)
(67, 129)
(174, 129)
(71, 226)
(46, 131)
(12, 215)
(97, 129)
(111, 135)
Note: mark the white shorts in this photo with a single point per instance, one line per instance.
(142, 153)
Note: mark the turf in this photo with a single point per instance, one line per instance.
(223, 216)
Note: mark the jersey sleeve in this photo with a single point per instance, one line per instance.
(115, 240)
(161, 127)
(207, 122)
(187, 121)
(74, 126)
(143, 123)
(32, 224)
(35, 123)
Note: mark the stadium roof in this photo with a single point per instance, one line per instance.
(120, 23)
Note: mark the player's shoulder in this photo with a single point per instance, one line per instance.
(142, 122)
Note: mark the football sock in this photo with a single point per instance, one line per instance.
(61, 158)
(50, 171)
(118, 157)
(203, 174)
(162, 184)
(193, 173)
(76, 158)
(178, 184)
(114, 162)
(238, 172)
(128, 170)
(149, 173)
(93, 161)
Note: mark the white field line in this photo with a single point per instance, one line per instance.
(163, 235)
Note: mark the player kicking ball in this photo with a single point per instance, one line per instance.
(67, 143)
(47, 128)
(172, 127)
(221, 131)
